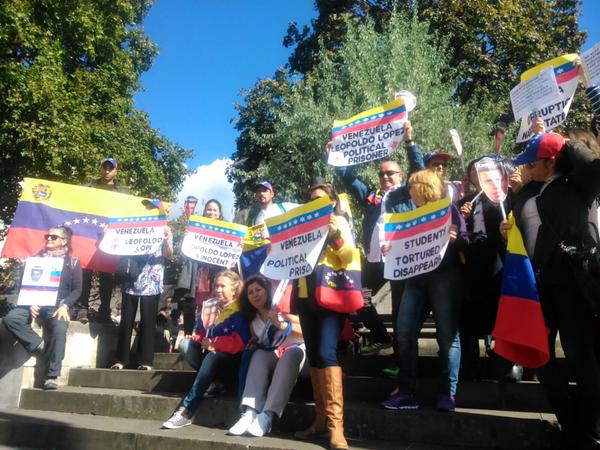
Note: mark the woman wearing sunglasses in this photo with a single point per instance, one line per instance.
(54, 319)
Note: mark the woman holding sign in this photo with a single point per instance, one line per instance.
(321, 304)
(55, 318)
(145, 289)
(193, 284)
(439, 290)
(223, 334)
(277, 358)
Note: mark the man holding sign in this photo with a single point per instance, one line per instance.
(391, 196)
(47, 282)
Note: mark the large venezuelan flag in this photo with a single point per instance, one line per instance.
(45, 204)
(520, 332)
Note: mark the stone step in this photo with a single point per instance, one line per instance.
(465, 428)
(490, 368)
(525, 396)
(37, 430)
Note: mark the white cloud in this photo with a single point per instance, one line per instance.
(206, 182)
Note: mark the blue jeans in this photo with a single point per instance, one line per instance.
(18, 322)
(192, 352)
(213, 364)
(321, 329)
(440, 292)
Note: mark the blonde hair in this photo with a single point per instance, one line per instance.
(234, 279)
(428, 184)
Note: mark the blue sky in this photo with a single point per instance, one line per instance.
(212, 49)
(209, 51)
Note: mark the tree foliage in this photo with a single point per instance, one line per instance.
(285, 121)
(68, 72)
(490, 42)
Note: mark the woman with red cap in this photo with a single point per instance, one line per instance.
(551, 211)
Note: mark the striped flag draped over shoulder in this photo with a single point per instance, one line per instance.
(520, 331)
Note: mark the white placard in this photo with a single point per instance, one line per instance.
(41, 279)
(131, 236)
(533, 93)
(591, 64)
(456, 141)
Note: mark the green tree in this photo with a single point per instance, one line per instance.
(68, 72)
(285, 122)
(490, 42)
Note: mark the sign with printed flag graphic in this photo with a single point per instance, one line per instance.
(418, 239)
(41, 279)
(555, 112)
(213, 241)
(369, 135)
(297, 238)
(140, 235)
(520, 331)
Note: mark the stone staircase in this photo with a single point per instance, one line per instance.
(98, 408)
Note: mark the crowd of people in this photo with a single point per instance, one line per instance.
(234, 330)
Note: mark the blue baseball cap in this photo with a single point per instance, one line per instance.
(113, 161)
(266, 185)
(545, 145)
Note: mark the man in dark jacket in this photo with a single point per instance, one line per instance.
(107, 181)
(55, 319)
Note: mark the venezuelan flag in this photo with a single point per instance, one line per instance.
(564, 68)
(380, 115)
(45, 204)
(299, 220)
(520, 331)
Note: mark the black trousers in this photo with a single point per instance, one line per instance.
(565, 312)
(148, 313)
(373, 281)
(106, 287)
(18, 322)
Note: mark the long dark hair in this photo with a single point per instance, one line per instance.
(246, 308)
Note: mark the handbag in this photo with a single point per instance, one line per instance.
(338, 290)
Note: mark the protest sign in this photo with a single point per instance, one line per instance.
(368, 136)
(591, 64)
(41, 278)
(130, 236)
(555, 112)
(418, 239)
(297, 238)
(534, 92)
(213, 241)
(493, 179)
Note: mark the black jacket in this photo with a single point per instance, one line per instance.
(563, 207)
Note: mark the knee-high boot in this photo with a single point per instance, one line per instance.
(334, 407)
(319, 425)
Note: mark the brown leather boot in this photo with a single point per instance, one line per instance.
(334, 407)
(319, 425)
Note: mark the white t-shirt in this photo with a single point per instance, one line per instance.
(274, 209)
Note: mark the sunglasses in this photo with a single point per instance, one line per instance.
(53, 237)
(388, 173)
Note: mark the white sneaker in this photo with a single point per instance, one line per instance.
(177, 420)
(261, 425)
(241, 426)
